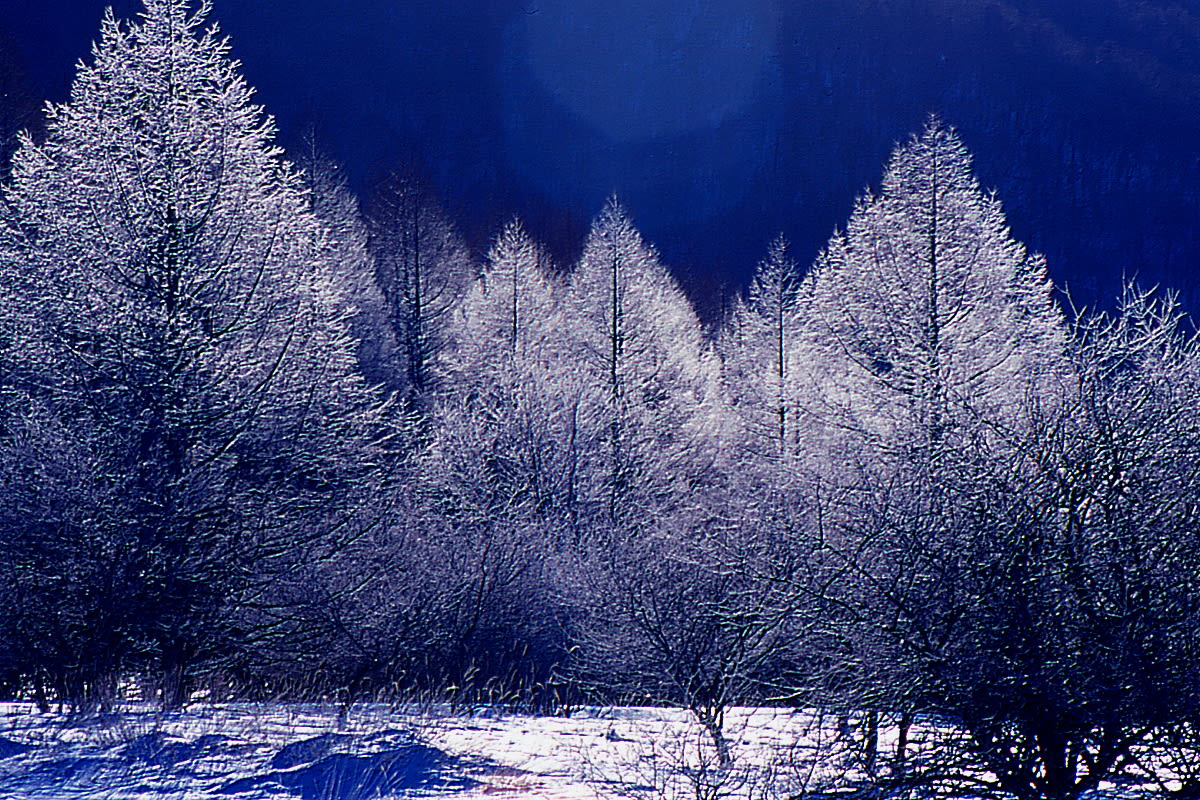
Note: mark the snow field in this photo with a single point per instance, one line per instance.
(254, 752)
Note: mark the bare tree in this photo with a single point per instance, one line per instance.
(701, 618)
(1034, 596)
(422, 267)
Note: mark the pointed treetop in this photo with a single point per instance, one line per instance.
(514, 245)
(613, 224)
(926, 304)
(175, 13)
(615, 247)
(934, 160)
(776, 282)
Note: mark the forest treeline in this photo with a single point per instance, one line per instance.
(258, 443)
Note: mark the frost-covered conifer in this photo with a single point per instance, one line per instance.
(192, 349)
(507, 316)
(351, 266)
(925, 313)
(933, 347)
(635, 336)
(760, 347)
(512, 416)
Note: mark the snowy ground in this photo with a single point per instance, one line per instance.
(252, 752)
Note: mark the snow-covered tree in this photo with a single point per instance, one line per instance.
(927, 335)
(634, 336)
(451, 592)
(351, 265)
(925, 313)
(514, 417)
(658, 612)
(759, 348)
(1037, 593)
(192, 348)
(508, 315)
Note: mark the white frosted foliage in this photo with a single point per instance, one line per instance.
(760, 349)
(925, 314)
(637, 339)
(193, 340)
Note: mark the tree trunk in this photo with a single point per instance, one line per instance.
(174, 690)
(900, 763)
(870, 742)
(1059, 782)
(713, 722)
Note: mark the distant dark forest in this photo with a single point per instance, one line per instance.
(1083, 117)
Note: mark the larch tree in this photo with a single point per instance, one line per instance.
(759, 347)
(510, 421)
(928, 331)
(925, 313)
(351, 265)
(192, 353)
(507, 313)
(492, 492)
(655, 611)
(636, 338)
(510, 384)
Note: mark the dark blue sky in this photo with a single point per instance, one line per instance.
(722, 122)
